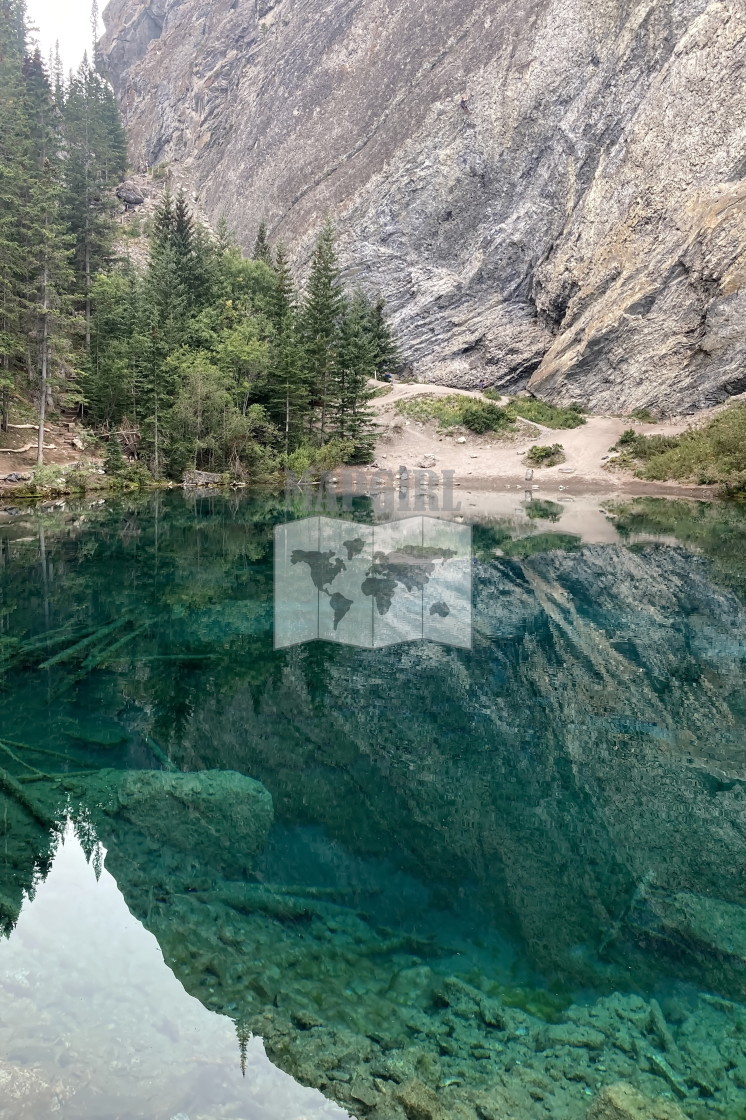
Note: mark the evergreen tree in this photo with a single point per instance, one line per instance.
(284, 298)
(262, 250)
(386, 350)
(15, 158)
(96, 161)
(356, 365)
(47, 244)
(57, 76)
(167, 302)
(287, 392)
(321, 315)
(94, 33)
(225, 239)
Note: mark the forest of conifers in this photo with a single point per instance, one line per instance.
(201, 359)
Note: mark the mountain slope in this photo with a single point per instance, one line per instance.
(543, 189)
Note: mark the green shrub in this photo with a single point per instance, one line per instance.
(133, 476)
(550, 415)
(114, 460)
(644, 415)
(312, 460)
(545, 455)
(481, 416)
(714, 453)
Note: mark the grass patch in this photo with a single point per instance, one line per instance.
(550, 415)
(644, 415)
(457, 412)
(545, 455)
(382, 390)
(715, 453)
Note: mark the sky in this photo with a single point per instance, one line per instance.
(66, 20)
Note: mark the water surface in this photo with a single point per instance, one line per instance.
(418, 881)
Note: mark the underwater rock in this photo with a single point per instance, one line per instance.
(222, 816)
(419, 1102)
(708, 932)
(622, 1101)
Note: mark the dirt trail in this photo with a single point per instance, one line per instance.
(485, 460)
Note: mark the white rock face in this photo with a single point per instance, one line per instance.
(550, 191)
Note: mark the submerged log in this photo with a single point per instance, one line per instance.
(86, 643)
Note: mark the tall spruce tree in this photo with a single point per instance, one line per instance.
(321, 316)
(96, 161)
(355, 366)
(47, 244)
(386, 350)
(287, 388)
(168, 305)
(262, 250)
(15, 159)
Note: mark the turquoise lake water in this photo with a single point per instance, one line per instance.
(476, 854)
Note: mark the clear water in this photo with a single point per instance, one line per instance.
(418, 881)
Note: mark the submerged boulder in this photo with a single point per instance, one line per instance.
(708, 935)
(621, 1101)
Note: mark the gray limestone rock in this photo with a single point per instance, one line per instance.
(544, 192)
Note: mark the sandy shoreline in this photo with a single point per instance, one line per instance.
(490, 462)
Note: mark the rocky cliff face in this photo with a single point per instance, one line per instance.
(547, 192)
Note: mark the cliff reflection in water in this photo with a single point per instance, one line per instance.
(436, 881)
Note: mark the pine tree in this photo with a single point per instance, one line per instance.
(287, 393)
(15, 157)
(321, 315)
(94, 32)
(387, 351)
(57, 75)
(262, 250)
(356, 365)
(284, 300)
(47, 245)
(96, 161)
(195, 256)
(167, 302)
